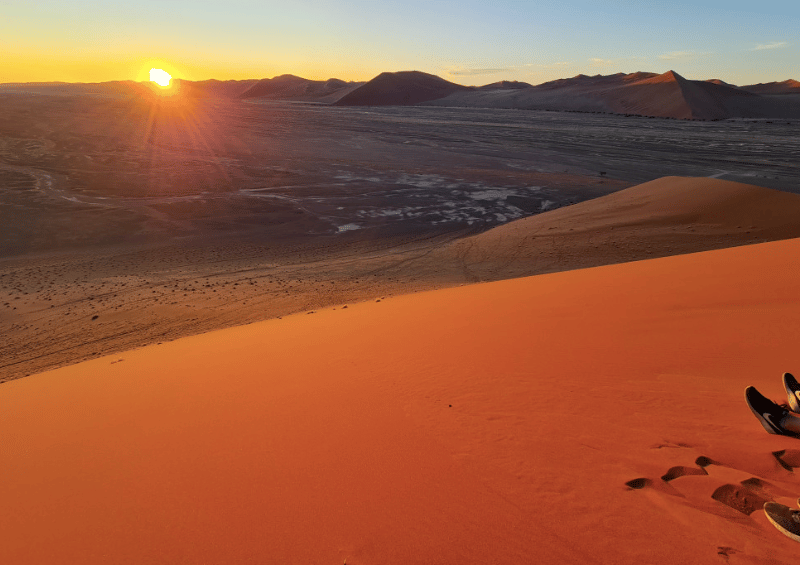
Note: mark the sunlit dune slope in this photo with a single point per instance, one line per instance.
(594, 416)
(667, 216)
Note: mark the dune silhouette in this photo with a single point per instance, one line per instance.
(506, 85)
(400, 89)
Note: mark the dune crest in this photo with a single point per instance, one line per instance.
(667, 216)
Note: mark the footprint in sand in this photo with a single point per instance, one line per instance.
(732, 487)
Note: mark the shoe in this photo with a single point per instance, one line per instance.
(784, 518)
(768, 413)
(792, 391)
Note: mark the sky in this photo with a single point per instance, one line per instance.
(466, 41)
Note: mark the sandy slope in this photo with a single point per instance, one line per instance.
(667, 216)
(494, 423)
(145, 296)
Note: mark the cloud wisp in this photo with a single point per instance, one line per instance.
(596, 62)
(676, 55)
(771, 45)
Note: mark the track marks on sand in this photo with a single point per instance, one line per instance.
(709, 479)
(789, 459)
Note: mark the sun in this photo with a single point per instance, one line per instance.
(160, 77)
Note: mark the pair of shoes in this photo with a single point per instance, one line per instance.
(784, 518)
(770, 414)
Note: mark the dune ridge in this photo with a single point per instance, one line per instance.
(666, 95)
(667, 216)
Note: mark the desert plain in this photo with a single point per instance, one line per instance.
(257, 331)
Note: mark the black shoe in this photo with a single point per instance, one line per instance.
(784, 518)
(792, 391)
(768, 413)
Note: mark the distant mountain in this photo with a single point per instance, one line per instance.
(786, 87)
(290, 87)
(668, 95)
(401, 89)
(214, 88)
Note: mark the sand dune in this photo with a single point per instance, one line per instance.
(592, 416)
(668, 216)
(671, 96)
(403, 88)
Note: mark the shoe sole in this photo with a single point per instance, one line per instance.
(792, 391)
(777, 514)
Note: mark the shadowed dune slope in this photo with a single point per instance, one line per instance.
(668, 216)
(400, 89)
(594, 416)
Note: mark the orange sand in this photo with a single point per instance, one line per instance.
(495, 423)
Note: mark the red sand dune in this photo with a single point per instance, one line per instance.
(593, 416)
(671, 95)
(666, 95)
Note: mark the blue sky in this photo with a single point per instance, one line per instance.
(467, 41)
